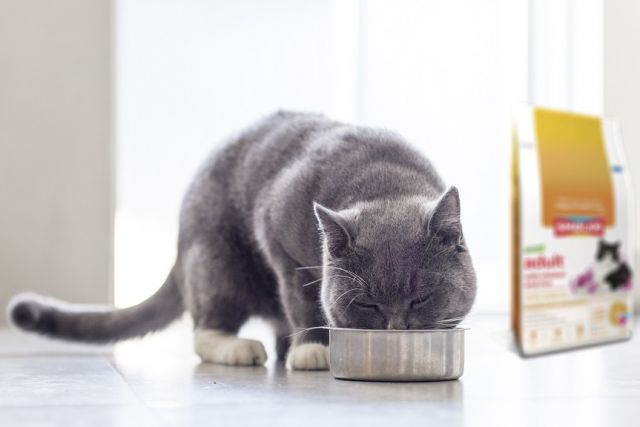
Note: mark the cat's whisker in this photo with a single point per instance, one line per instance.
(302, 331)
(360, 279)
(350, 302)
(327, 277)
(452, 319)
(345, 270)
(444, 325)
(356, 278)
(312, 282)
(435, 325)
(327, 266)
(345, 293)
(450, 322)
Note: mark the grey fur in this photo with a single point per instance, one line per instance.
(385, 234)
(48, 316)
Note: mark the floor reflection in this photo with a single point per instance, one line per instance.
(319, 385)
(235, 372)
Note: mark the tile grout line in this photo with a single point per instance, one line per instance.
(141, 401)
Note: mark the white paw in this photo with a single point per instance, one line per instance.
(242, 352)
(217, 347)
(308, 357)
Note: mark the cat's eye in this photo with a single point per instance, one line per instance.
(420, 302)
(365, 306)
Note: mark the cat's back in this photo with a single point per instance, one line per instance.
(231, 178)
(259, 151)
(302, 152)
(269, 147)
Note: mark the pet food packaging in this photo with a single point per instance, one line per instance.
(572, 232)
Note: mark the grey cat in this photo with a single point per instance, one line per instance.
(306, 222)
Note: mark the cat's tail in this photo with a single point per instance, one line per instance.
(54, 318)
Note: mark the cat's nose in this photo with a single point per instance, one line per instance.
(398, 322)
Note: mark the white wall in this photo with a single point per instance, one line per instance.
(566, 54)
(622, 86)
(189, 72)
(55, 149)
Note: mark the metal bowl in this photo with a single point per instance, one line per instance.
(390, 355)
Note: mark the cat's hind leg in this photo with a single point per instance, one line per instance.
(219, 295)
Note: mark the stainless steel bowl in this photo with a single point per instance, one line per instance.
(388, 355)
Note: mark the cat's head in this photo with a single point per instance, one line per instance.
(400, 264)
(608, 249)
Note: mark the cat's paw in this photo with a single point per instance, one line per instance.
(242, 352)
(214, 347)
(308, 357)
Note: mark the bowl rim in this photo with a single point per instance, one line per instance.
(457, 329)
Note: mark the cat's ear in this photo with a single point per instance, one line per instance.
(600, 249)
(444, 216)
(334, 227)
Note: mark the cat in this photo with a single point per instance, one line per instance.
(609, 269)
(306, 222)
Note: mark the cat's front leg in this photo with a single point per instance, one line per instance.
(310, 356)
(310, 341)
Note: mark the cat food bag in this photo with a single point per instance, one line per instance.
(572, 232)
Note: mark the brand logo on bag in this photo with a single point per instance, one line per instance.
(544, 262)
(578, 226)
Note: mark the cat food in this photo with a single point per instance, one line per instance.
(572, 232)
(403, 355)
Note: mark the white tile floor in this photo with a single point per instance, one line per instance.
(159, 382)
